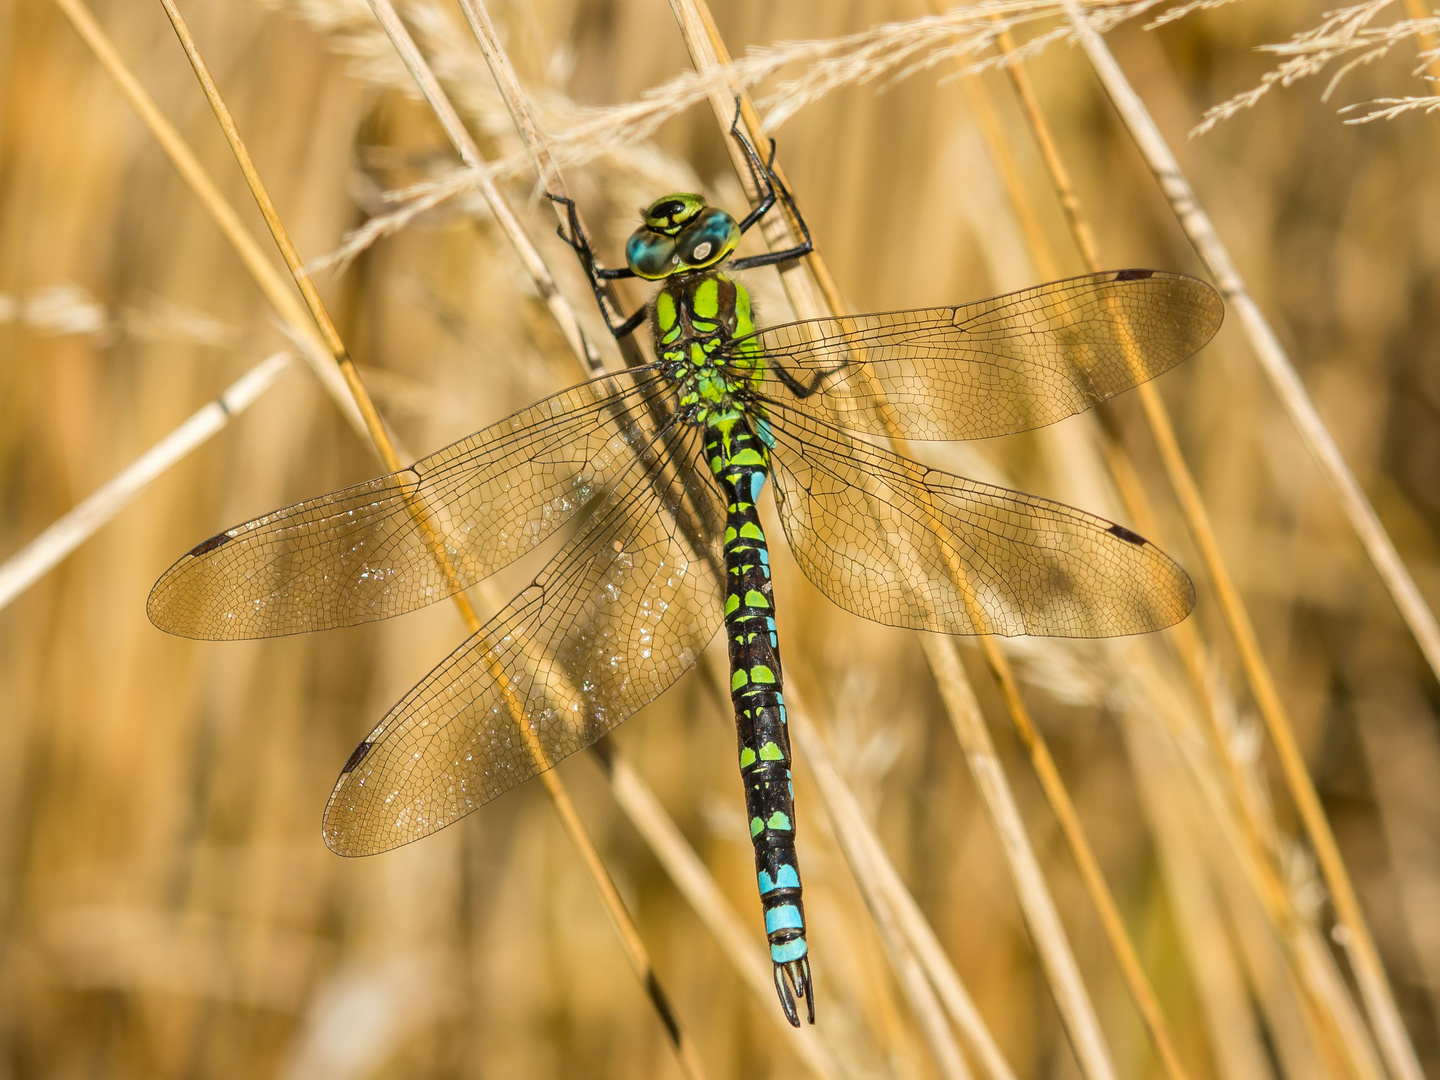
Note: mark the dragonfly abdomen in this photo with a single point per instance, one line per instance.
(740, 462)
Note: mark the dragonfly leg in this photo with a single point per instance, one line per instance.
(596, 273)
(800, 389)
(771, 188)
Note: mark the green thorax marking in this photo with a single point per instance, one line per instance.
(695, 315)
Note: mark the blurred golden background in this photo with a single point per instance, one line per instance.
(167, 906)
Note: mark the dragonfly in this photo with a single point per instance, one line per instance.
(648, 479)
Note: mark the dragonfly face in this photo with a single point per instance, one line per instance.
(680, 234)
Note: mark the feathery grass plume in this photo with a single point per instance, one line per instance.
(1346, 34)
(893, 52)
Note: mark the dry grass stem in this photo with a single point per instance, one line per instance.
(1138, 984)
(909, 969)
(1370, 974)
(374, 425)
(520, 242)
(885, 891)
(537, 145)
(1041, 916)
(223, 214)
(1233, 798)
(36, 558)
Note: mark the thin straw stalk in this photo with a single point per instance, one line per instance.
(882, 886)
(634, 946)
(42, 554)
(541, 154)
(1131, 970)
(912, 974)
(530, 258)
(374, 425)
(818, 297)
(269, 280)
(629, 790)
(859, 847)
(1255, 828)
(1253, 845)
(1395, 1045)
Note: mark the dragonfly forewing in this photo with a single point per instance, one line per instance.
(1011, 363)
(400, 542)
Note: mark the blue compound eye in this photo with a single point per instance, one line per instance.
(711, 237)
(650, 255)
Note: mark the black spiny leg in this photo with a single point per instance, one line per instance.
(803, 390)
(763, 173)
(594, 271)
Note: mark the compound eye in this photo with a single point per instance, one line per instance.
(650, 255)
(711, 237)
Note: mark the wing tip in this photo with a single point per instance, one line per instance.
(158, 610)
(338, 841)
(1204, 299)
(1175, 598)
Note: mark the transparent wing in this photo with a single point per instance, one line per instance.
(616, 617)
(910, 546)
(995, 366)
(370, 551)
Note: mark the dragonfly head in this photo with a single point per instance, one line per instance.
(680, 234)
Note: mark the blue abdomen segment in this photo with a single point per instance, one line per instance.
(740, 461)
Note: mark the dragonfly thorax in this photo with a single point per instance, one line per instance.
(696, 319)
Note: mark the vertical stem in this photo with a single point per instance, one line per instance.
(374, 426)
(1131, 970)
(1273, 359)
(270, 281)
(518, 103)
(1375, 989)
(882, 887)
(560, 309)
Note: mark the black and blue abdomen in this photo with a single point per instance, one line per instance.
(739, 460)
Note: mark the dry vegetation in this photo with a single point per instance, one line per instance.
(167, 907)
